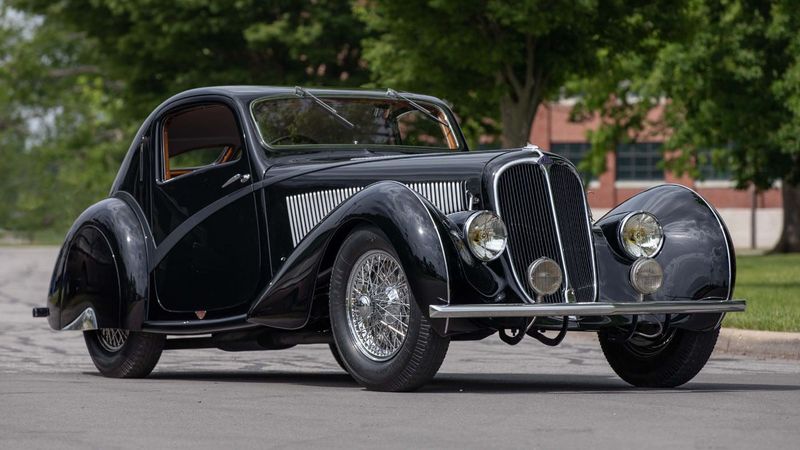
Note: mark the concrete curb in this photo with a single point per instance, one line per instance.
(760, 344)
(733, 341)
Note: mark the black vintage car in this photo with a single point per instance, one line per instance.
(260, 218)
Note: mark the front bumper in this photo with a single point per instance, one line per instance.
(583, 309)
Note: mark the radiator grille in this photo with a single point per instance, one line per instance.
(524, 203)
(568, 198)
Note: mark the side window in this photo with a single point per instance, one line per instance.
(199, 137)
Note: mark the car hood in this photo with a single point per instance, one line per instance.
(330, 171)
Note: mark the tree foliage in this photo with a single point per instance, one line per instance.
(59, 142)
(730, 86)
(158, 49)
(500, 58)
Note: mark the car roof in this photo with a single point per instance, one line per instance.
(247, 93)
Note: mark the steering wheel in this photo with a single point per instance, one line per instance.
(295, 138)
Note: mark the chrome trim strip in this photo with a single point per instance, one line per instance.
(583, 309)
(87, 320)
(566, 283)
(308, 209)
(588, 211)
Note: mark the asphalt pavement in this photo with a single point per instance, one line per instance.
(486, 394)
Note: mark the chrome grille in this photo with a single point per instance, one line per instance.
(525, 202)
(524, 205)
(568, 198)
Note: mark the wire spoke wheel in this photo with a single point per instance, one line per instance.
(378, 305)
(112, 339)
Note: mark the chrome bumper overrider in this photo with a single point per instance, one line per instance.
(584, 309)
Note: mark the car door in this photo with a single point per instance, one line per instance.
(203, 212)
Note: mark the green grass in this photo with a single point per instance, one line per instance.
(771, 286)
(39, 237)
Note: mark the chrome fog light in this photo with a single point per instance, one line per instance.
(486, 235)
(640, 234)
(646, 275)
(544, 276)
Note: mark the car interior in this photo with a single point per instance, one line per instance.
(198, 138)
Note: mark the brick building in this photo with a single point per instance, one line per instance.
(635, 167)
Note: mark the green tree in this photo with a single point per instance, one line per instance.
(59, 144)
(733, 87)
(159, 49)
(502, 58)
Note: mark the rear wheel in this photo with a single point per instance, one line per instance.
(384, 341)
(669, 360)
(121, 353)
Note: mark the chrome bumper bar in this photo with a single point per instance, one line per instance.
(584, 309)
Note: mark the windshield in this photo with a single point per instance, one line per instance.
(290, 122)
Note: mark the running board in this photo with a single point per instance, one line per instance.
(583, 309)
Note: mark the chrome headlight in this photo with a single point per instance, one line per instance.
(641, 235)
(646, 275)
(486, 235)
(544, 276)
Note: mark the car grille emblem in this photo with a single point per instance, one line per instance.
(200, 314)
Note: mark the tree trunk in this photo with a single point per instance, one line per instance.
(790, 236)
(517, 120)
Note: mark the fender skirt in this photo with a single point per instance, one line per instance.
(409, 221)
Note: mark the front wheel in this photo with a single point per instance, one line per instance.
(669, 360)
(384, 340)
(121, 353)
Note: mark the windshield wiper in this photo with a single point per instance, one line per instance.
(302, 92)
(417, 106)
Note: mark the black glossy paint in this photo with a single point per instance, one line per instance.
(696, 255)
(229, 250)
(400, 213)
(216, 264)
(103, 264)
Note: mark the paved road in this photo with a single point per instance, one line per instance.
(486, 394)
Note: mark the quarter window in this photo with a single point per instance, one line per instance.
(198, 138)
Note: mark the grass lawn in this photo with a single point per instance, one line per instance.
(771, 286)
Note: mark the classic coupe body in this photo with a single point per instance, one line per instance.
(259, 218)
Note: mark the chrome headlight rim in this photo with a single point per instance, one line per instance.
(635, 275)
(621, 234)
(532, 271)
(466, 235)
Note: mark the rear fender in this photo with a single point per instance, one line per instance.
(103, 266)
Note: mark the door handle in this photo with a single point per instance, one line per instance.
(242, 179)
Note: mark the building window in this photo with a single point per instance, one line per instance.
(640, 162)
(707, 170)
(575, 152)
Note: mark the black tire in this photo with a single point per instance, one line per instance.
(420, 355)
(136, 358)
(337, 356)
(668, 363)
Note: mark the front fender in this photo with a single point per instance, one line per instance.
(403, 215)
(697, 256)
(102, 265)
